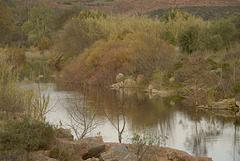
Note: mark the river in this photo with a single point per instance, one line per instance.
(199, 133)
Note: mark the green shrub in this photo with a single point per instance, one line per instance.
(27, 134)
(189, 39)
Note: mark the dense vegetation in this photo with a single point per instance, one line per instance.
(205, 12)
(92, 47)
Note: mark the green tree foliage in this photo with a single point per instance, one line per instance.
(225, 28)
(176, 21)
(188, 39)
(6, 22)
(38, 27)
(63, 17)
(21, 10)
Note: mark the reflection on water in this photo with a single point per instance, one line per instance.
(196, 132)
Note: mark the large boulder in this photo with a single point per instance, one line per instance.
(238, 104)
(93, 141)
(118, 153)
(120, 78)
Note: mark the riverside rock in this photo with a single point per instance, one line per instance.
(120, 78)
(238, 104)
(224, 104)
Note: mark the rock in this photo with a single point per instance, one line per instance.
(238, 114)
(94, 152)
(119, 148)
(110, 145)
(224, 104)
(130, 83)
(149, 89)
(218, 70)
(139, 79)
(93, 159)
(162, 93)
(159, 153)
(117, 86)
(171, 80)
(118, 153)
(64, 134)
(120, 78)
(238, 104)
(93, 141)
(201, 106)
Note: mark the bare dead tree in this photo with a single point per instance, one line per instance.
(82, 115)
(120, 115)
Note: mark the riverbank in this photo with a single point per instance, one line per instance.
(52, 144)
(94, 149)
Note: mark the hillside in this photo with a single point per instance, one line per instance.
(139, 6)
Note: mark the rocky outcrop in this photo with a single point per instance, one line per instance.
(224, 104)
(163, 93)
(123, 83)
(225, 108)
(94, 149)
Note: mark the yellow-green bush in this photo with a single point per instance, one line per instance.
(136, 53)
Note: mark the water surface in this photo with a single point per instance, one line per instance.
(196, 132)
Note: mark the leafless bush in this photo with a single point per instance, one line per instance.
(82, 115)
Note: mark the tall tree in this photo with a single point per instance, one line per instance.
(41, 17)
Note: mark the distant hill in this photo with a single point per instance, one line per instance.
(138, 6)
